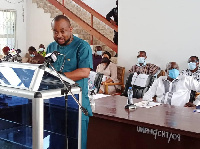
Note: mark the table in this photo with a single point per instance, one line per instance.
(164, 126)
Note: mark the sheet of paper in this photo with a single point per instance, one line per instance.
(147, 104)
(92, 76)
(139, 80)
(97, 96)
(134, 78)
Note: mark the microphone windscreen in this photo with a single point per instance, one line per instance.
(51, 57)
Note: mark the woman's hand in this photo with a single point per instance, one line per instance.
(109, 80)
(102, 83)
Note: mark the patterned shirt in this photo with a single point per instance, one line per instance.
(17, 58)
(8, 58)
(149, 69)
(195, 74)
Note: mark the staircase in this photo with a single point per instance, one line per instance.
(84, 15)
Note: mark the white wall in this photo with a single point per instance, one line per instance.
(39, 23)
(38, 26)
(20, 25)
(101, 6)
(168, 30)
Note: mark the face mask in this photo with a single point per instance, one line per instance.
(192, 65)
(105, 60)
(173, 73)
(32, 55)
(99, 53)
(41, 49)
(141, 60)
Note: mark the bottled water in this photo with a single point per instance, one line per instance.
(91, 98)
(92, 102)
(130, 96)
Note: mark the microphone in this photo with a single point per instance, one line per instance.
(52, 57)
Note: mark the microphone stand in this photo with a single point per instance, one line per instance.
(68, 89)
(65, 91)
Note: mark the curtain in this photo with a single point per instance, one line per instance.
(7, 29)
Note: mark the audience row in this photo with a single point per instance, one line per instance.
(33, 57)
(175, 88)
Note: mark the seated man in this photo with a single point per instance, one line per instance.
(193, 68)
(35, 57)
(97, 56)
(173, 89)
(194, 71)
(143, 67)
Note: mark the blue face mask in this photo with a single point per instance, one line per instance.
(99, 53)
(32, 55)
(173, 73)
(141, 60)
(192, 65)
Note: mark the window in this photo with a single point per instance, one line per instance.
(7, 28)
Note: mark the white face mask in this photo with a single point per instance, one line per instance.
(141, 60)
(41, 49)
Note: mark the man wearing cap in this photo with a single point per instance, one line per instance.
(142, 67)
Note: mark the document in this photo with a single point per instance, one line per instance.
(92, 76)
(139, 80)
(98, 96)
(147, 104)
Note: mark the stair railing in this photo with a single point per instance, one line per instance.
(84, 25)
